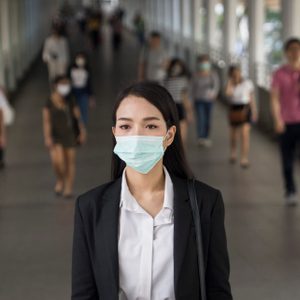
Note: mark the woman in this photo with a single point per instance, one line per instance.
(204, 89)
(81, 85)
(63, 130)
(176, 83)
(134, 237)
(243, 112)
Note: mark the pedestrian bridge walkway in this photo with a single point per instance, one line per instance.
(36, 227)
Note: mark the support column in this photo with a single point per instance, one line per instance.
(290, 18)
(198, 15)
(256, 35)
(211, 22)
(230, 28)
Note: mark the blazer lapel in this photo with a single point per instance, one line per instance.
(108, 234)
(182, 223)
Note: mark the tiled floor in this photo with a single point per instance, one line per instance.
(36, 227)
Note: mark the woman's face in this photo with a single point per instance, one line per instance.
(236, 75)
(137, 116)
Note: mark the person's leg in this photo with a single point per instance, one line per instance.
(2, 164)
(245, 144)
(200, 119)
(208, 113)
(70, 154)
(288, 147)
(83, 103)
(234, 136)
(57, 158)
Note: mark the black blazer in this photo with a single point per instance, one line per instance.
(95, 245)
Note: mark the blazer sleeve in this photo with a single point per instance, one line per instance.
(217, 274)
(83, 282)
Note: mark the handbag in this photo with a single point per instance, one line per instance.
(239, 115)
(197, 222)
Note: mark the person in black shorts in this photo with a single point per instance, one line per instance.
(63, 130)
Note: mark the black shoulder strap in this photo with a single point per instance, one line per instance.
(197, 221)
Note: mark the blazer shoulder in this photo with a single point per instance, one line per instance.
(94, 196)
(210, 196)
(206, 189)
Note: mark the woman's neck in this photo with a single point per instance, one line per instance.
(150, 182)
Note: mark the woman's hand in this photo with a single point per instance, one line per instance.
(279, 127)
(82, 137)
(254, 117)
(48, 142)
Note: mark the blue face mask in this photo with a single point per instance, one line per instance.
(141, 153)
(204, 66)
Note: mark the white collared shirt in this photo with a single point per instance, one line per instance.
(146, 264)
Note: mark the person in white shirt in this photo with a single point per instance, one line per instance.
(56, 54)
(134, 237)
(243, 112)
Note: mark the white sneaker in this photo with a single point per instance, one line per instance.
(201, 142)
(207, 143)
(291, 200)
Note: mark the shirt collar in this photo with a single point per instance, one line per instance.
(128, 202)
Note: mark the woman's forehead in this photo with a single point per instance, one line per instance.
(136, 107)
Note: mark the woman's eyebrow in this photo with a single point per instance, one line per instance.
(144, 119)
(124, 119)
(151, 119)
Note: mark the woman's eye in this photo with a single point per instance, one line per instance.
(124, 127)
(151, 126)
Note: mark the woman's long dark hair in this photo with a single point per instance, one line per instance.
(174, 158)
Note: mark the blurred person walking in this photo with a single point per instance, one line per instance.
(56, 54)
(153, 60)
(2, 138)
(80, 75)
(139, 26)
(177, 83)
(285, 107)
(204, 89)
(63, 131)
(6, 118)
(116, 22)
(243, 111)
(93, 26)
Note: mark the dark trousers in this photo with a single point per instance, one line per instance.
(82, 99)
(203, 113)
(1, 156)
(288, 146)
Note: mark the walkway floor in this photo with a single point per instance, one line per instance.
(36, 227)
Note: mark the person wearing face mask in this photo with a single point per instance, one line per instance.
(204, 89)
(176, 83)
(63, 130)
(135, 237)
(81, 85)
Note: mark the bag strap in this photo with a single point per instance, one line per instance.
(197, 222)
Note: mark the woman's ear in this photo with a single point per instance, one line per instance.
(113, 129)
(170, 136)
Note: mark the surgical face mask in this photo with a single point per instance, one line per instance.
(63, 89)
(80, 62)
(141, 153)
(204, 66)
